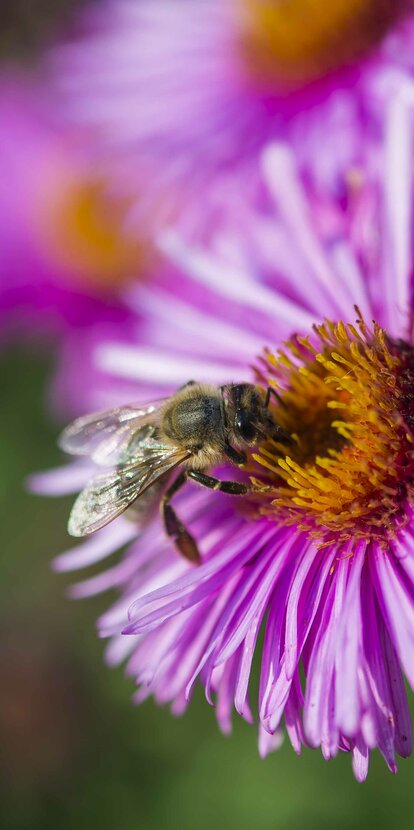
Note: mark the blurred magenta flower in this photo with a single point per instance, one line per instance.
(321, 559)
(198, 88)
(66, 248)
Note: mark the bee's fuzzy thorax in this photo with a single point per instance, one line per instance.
(193, 419)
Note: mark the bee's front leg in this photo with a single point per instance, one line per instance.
(233, 488)
(236, 457)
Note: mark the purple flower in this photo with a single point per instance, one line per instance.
(196, 89)
(66, 249)
(320, 559)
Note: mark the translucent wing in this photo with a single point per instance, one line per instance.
(110, 494)
(107, 436)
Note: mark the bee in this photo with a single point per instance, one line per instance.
(199, 427)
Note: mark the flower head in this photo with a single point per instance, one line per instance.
(66, 248)
(319, 558)
(197, 89)
(295, 43)
(346, 401)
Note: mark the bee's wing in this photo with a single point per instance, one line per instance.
(105, 436)
(108, 495)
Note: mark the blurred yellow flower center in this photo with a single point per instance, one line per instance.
(87, 234)
(299, 40)
(348, 401)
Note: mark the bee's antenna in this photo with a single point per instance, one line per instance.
(272, 391)
(283, 437)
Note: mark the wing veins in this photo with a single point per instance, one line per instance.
(108, 495)
(106, 437)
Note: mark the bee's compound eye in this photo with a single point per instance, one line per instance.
(245, 426)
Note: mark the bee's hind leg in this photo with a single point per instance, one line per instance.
(174, 527)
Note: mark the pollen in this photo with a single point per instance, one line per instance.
(347, 399)
(297, 41)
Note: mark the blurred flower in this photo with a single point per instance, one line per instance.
(294, 43)
(322, 559)
(66, 248)
(197, 88)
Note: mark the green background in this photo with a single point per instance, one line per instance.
(74, 751)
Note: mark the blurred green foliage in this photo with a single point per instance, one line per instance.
(79, 754)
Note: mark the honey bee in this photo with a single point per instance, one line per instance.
(200, 426)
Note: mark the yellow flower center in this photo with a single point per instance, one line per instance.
(347, 398)
(85, 232)
(295, 41)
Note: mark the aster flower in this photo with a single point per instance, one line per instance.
(66, 248)
(319, 559)
(196, 89)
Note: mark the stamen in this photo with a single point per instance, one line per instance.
(348, 396)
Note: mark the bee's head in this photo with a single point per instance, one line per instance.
(249, 417)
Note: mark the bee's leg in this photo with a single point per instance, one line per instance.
(184, 386)
(280, 435)
(174, 527)
(234, 488)
(272, 391)
(236, 457)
